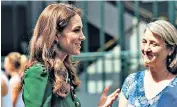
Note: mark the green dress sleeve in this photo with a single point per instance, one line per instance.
(37, 90)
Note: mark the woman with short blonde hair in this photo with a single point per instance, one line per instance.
(14, 65)
(150, 87)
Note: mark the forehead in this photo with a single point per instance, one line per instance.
(148, 35)
(75, 21)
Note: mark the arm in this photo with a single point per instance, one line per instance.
(35, 85)
(14, 83)
(15, 94)
(4, 88)
(123, 102)
(125, 91)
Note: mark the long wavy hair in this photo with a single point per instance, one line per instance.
(44, 49)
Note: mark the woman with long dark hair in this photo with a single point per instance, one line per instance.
(50, 79)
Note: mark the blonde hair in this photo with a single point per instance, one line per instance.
(24, 60)
(17, 61)
(165, 30)
(169, 34)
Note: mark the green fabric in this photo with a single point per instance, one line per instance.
(37, 90)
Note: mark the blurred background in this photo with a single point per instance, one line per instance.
(113, 30)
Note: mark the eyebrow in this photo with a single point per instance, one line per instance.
(77, 26)
(152, 41)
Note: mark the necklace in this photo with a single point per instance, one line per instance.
(67, 77)
(167, 75)
(150, 74)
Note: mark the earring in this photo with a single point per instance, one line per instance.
(55, 42)
(169, 60)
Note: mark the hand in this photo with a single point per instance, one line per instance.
(106, 101)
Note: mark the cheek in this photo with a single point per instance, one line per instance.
(64, 44)
(161, 54)
(164, 53)
(70, 41)
(71, 48)
(142, 47)
(157, 50)
(7, 68)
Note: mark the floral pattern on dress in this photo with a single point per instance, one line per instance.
(134, 92)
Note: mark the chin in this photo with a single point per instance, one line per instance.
(148, 63)
(76, 53)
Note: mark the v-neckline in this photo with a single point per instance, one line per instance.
(143, 87)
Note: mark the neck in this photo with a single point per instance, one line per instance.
(61, 55)
(159, 73)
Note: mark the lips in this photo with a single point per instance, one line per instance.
(78, 45)
(149, 58)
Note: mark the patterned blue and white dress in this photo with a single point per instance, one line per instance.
(133, 90)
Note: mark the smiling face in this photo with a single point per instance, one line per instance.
(72, 36)
(154, 50)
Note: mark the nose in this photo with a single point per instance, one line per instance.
(82, 37)
(147, 48)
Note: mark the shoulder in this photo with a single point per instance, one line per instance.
(15, 80)
(135, 76)
(130, 83)
(4, 88)
(38, 67)
(3, 76)
(168, 97)
(37, 90)
(174, 83)
(35, 69)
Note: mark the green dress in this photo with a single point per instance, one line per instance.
(37, 90)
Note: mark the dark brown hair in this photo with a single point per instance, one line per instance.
(53, 20)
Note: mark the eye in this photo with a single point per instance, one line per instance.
(144, 41)
(155, 44)
(76, 30)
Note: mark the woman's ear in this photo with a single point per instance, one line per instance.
(57, 41)
(171, 51)
(58, 37)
